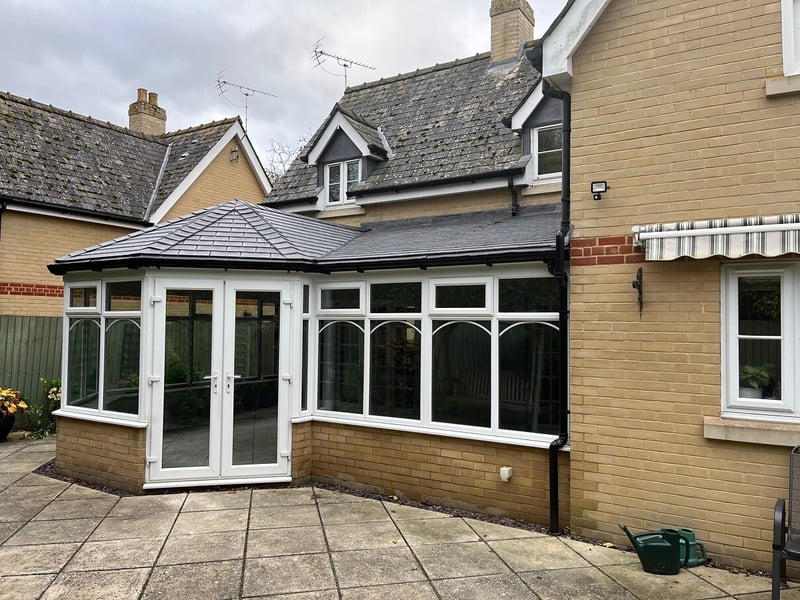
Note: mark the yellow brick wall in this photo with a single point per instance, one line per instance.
(447, 471)
(100, 453)
(222, 180)
(669, 107)
(301, 451)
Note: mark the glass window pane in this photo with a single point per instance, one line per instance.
(334, 173)
(549, 162)
(304, 373)
(529, 377)
(83, 297)
(396, 297)
(550, 139)
(760, 368)
(533, 294)
(759, 306)
(83, 363)
(337, 299)
(306, 299)
(461, 296)
(341, 366)
(395, 369)
(124, 296)
(334, 179)
(352, 173)
(461, 374)
(121, 390)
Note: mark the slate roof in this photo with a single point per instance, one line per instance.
(240, 235)
(444, 123)
(59, 159)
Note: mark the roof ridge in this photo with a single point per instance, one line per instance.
(418, 72)
(229, 120)
(78, 117)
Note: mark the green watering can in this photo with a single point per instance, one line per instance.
(664, 552)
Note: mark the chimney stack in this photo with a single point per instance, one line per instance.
(145, 115)
(512, 26)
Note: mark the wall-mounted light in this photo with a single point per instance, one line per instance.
(598, 188)
(234, 154)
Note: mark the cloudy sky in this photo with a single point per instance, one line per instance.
(90, 56)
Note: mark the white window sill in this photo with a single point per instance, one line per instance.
(782, 86)
(542, 186)
(99, 418)
(348, 210)
(770, 433)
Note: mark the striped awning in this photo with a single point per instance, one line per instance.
(732, 238)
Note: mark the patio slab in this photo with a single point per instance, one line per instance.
(205, 581)
(288, 574)
(122, 584)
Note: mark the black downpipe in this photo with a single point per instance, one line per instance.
(560, 273)
(514, 197)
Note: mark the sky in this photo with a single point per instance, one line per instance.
(90, 56)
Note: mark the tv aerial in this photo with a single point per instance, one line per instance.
(319, 56)
(223, 86)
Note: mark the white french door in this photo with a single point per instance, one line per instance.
(220, 382)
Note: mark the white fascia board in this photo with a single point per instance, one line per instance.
(562, 43)
(57, 214)
(234, 131)
(526, 110)
(429, 192)
(339, 121)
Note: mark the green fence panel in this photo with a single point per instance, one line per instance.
(30, 349)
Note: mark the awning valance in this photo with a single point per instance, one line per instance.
(732, 238)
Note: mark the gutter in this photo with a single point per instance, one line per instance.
(560, 273)
(437, 182)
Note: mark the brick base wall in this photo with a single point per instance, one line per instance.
(100, 453)
(301, 452)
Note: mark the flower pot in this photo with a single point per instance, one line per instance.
(748, 392)
(6, 425)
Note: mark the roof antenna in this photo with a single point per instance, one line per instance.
(319, 55)
(243, 89)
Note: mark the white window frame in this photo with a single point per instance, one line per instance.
(535, 151)
(487, 283)
(790, 33)
(783, 409)
(343, 181)
(346, 312)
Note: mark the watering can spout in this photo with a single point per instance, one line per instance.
(658, 551)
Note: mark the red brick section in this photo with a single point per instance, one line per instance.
(608, 250)
(16, 288)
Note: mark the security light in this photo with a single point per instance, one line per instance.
(598, 188)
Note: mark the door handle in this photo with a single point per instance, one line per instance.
(214, 378)
(229, 377)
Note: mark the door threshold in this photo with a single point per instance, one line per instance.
(156, 485)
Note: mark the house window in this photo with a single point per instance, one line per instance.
(546, 148)
(790, 20)
(434, 354)
(103, 347)
(340, 177)
(760, 310)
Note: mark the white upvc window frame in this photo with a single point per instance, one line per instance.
(785, 408)
(344, 184)
(535, 152)
(790, 33)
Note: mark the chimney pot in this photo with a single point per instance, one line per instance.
(512, 26)
(152, 98)
(141, 95)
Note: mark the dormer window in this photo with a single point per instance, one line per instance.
(546, 146)
(339, 178)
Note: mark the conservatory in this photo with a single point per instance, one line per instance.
(198, 352)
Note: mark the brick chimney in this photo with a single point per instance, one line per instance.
(512, 26)
(146, 116)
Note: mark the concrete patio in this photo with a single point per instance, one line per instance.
(61, 540)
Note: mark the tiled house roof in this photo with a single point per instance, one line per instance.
(54, 158)
(444, 123)
(241, 235)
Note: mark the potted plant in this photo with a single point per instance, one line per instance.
(753, 380)
(10, 402)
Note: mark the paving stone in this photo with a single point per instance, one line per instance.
(585, 583)
(211, 521)
(143, 526)
(734, 584)
(437, 531)
(35, 479)
(600, 555)
(203, 547)
(493, 531)
(9, 528)
(288, 574)
(363, 536)
(75, 509)
(7, 479)
(401, 512)
(47, 532)
(353, 512)
(324, 496)
(684, 585)
(132, 506)
(359, 568)
(318, 595)
(278, 542)
(24, 587)
(203, 581)
(418, 591)
(202, 501)
(283, 497)
(122, 584)
(445, 561)
(32, 560)
(284, 516)
(75, 492)
(496, 587)
(113, 554)
(537, 554)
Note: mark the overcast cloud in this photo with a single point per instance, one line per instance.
(90, 56)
